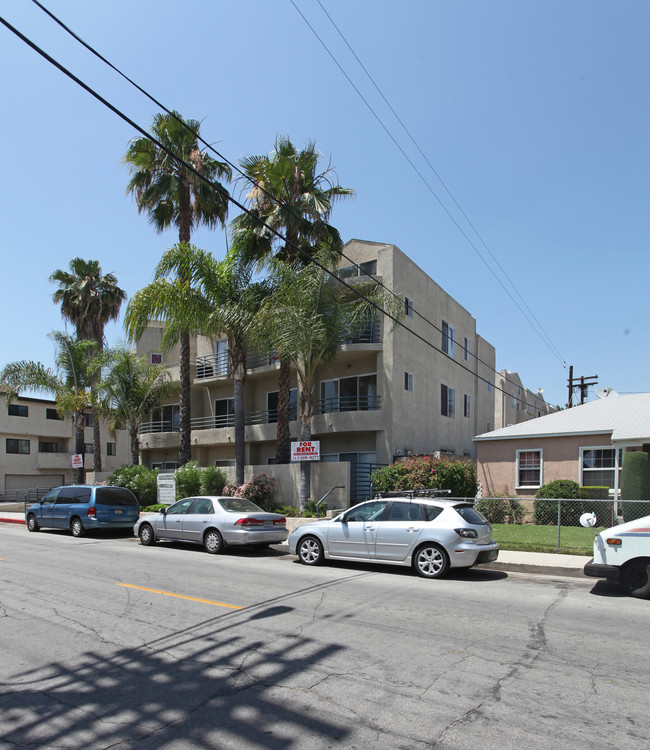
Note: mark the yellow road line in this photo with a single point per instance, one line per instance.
(180, 596)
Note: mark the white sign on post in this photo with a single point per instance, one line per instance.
(77, 461)
(305, 450)
(166, 489)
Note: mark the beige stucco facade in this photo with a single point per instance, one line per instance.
(380, 399)
(514, 403)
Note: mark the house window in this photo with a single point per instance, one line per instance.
(447, 401)
(598, 467)
(466, 405)
(408, 381)
(18, 410)
(448, 339)
(272, 405)
(156, 359)
(52, 414)
(47, 447)
(17, 446)
(111, 449)
(529, 468)
(357, 393)
(408, 307)
(466, 349)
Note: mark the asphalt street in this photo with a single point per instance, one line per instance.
(107, 643)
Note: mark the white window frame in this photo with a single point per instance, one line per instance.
(541, 469)
(618, 464)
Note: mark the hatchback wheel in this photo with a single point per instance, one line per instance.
(310, 551)
(430, 561)
(77, 527)
(32, 523)
(213, 542)
(147, 537)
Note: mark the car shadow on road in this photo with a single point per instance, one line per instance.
(609, 589)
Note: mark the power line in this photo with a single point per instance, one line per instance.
(234, 166)
(220, 188)
(546, 342)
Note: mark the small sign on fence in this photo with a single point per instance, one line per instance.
(77, 461)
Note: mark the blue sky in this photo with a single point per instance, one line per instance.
(535, 115)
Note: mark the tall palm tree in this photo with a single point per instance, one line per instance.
(72, 383)
(174, 195)
(89, 300)
(130, 391)
(295, 198)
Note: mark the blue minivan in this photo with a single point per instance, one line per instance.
(82, 508)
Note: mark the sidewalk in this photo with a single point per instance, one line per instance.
(515, 562)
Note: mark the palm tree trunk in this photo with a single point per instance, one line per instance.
(306, 411)
(283, 444)
(238, 385)
(97, 443)
(135, 444)
(185, 448)
(79, 421)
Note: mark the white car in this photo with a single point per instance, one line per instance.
(622, 553)
(431, 535)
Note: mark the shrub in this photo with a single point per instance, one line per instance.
(141, 480)
(259, 490)
(310, 509)
(604, 510)
(634, 485)
(426, 472)
(188, 480)
(545, 512)
(213, 480)
(288, 510)
(501, 509)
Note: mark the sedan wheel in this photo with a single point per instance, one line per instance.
(310, 551)
(430, 561)
(147, 537)
(32, 523)
(77, 527)
(213, 542)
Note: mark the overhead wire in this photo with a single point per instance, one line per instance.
(234, 166)
(220, 188)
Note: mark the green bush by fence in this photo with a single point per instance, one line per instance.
(635, 484)
(545, 511)
(141, 480)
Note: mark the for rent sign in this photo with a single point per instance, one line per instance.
(305, 450)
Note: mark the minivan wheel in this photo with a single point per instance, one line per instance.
(430, 561)
(213, 542)
(32, 523)
(147, 537)
(77, 527)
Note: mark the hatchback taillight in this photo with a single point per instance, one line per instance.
(467, 533)
(249, 522)
(91, 513)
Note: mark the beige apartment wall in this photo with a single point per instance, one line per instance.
(497, 461)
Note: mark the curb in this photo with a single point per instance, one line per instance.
(547, 570)
(12, 520)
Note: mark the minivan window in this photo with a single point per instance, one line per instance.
(51, 496)
(74, 495)
(471, 515)
(114, 496)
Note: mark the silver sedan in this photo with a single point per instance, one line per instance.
(430, 535)
(214, 522)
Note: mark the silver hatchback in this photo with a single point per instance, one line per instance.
(214, 522)
(431, 535)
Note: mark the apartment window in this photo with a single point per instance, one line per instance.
(165, 465)
(357, 393)
(466, 406)
(111, 449)
(224, 412)
(447, 401)
(90, 420)
(529, 468)
(448, 339)
(18, 410)
(368, 268)
(89, 448)
(166, 418)
(17, 446)
(408, 307)
(489, 386)
(156, 359)
(272, 405)
(513, 401)
(598, 466)
(224, 462)
(47, 447)
(52, 414)
(408, 381)
(466, 349)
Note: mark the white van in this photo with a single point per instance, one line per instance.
(622, 554)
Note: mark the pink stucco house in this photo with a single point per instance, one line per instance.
(585, 443)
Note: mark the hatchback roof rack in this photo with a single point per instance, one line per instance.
(410, 494)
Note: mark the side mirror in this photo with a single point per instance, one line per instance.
(163, 511)
(588, 520)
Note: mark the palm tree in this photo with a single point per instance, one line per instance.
(304, 320)
(174, 195)
(295, 198)
(89, 300)
(130, 391)
(72, 383)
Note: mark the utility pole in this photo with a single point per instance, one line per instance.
(583, 383)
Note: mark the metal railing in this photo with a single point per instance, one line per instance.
(162, 425)
(347, 403)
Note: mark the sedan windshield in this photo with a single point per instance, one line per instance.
(238, 505)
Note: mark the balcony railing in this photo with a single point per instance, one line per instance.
(159, 426)
(347, 403)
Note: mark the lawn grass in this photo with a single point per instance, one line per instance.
(526, 537)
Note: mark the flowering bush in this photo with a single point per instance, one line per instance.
(259, 490)
(427, 472)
